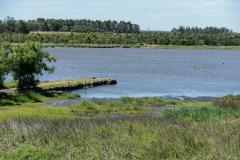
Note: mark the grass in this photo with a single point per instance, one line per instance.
(134, 138)
(182, 129)
(25, 107)
(34, 104)
(33, 97)
(20, 98)
(29, 152)
(110, 106)
(202, 113)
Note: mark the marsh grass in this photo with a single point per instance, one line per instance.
(202, 113)
(128, 138)
(110, 106)
(185, 129)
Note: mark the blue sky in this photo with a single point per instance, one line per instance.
(153, 14)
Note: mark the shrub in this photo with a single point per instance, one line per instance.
(232, 102)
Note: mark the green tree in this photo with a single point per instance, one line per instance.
(21, 27)
(2, 26)
(27, 62)
(10, 24)
(4, 62)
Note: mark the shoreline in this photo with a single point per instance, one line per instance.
(144, 46)
(69, 102)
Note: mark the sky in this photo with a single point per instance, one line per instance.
(149, 14)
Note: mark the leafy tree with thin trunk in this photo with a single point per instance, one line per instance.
(27, 62)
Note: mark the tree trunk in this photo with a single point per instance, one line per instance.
(1, 83)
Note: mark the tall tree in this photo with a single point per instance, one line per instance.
(21, 27)
(10, 24)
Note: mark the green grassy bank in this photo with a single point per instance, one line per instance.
(62, 85)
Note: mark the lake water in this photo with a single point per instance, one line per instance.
(151, 72)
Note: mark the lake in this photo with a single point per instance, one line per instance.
(150, 72)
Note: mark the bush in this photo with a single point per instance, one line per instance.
(232, 102)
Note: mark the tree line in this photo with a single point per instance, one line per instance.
(24, 63)
(143, 38)
(207, 30)
(110, 32)
(67, 25)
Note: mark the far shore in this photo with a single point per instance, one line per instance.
(142, 46)
(195, 47)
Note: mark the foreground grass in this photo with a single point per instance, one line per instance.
(132, 138)
(151, 128)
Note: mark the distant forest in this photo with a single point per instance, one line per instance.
(68, 25)
(110, 32)
(147, 38)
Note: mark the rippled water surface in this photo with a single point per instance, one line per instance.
(151, 72)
